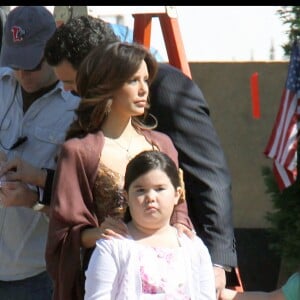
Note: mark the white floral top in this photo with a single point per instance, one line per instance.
(122, 269)
(163, 273)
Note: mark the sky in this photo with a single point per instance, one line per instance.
(214, 33)
(219, 33)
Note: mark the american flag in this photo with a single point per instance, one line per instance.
(283, 142)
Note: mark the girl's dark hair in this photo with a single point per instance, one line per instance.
(151, 160)
(106, 68)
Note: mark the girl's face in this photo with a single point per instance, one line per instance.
(151, 199)
(131, 98)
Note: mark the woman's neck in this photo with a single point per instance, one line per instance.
(116, 128)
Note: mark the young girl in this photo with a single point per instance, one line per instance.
(153, 262)
(289, 291)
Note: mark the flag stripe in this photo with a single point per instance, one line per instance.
(277, 129)
(283, 142)
(288, 139)
(284, 179)
(284, 126)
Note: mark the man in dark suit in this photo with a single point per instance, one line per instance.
(183, 114)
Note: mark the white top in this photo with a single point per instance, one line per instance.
(23, 232)
(121, 269)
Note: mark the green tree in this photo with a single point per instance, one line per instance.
(290, 15)
(284, 219)
(285, 216)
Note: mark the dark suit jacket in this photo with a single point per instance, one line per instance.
(182, 113)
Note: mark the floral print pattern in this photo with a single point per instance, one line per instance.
(163, 272)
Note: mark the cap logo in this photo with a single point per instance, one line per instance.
(18, 33)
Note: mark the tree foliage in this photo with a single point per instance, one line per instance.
(284, 219)
(290, 15)
(285, 216)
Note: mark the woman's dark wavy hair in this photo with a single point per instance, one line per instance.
(105, 70)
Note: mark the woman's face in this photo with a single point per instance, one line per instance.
(131, 98)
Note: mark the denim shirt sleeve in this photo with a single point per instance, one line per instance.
(126, 35)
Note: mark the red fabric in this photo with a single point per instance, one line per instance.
(72, 208)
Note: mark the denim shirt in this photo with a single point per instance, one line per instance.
(126, 35)
(23, 231)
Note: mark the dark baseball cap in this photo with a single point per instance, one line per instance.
(27, 29)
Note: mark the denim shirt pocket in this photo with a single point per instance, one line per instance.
(48, 135)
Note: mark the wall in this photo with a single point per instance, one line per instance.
(226, 87)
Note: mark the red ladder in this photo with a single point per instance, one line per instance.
(171, 33)
(175, 50)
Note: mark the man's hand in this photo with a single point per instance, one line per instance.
(16, 193)
(227, 294)
(220, 280)
(18, 169)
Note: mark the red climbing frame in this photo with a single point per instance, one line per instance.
(171, 33)
(175, 50)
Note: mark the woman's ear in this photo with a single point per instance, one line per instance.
(108, 106)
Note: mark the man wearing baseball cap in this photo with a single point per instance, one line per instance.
(35, 113)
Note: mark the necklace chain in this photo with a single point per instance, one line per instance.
(128, 156)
